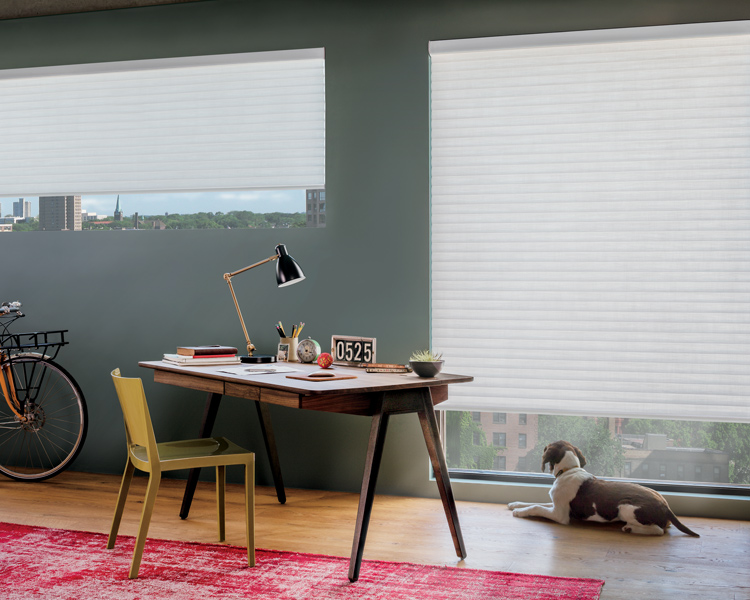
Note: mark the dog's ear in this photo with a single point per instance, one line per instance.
(581, 457)
(544, 458)
(552, 455)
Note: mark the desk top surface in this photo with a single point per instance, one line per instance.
(364, 382)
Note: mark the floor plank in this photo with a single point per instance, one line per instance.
(674, 566)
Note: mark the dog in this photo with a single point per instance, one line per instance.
(577, 494)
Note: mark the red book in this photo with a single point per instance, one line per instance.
(206, 351)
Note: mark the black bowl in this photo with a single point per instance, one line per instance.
(426, 368)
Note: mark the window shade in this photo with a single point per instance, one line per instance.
(591, 221)
(226, 122)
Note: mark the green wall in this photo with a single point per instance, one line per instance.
(126, 299)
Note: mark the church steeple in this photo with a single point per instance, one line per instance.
(118, 212)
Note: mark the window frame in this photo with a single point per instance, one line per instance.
(668, 486)
(500, 477)
(544, 480)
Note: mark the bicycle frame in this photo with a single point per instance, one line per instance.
(24, 344)
(8, 385)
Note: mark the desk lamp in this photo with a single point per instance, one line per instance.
(287, 273)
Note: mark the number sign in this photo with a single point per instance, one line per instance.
(352, 350)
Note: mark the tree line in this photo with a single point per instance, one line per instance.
(236, 219)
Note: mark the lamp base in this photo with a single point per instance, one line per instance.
(258, 358)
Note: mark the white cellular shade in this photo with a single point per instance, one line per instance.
(227, 122)
(591, 221)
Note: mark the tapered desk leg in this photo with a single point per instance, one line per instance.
(439, 466)
(369, 479)
(207, 426)
(269, 439)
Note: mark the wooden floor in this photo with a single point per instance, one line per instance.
(715, 566)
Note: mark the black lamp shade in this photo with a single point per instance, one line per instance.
(287, 269)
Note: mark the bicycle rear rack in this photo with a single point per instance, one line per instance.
(44, 342)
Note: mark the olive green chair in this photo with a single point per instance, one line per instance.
(145, 454)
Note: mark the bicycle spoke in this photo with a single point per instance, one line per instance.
(10, 437)
(41, 445)
(53, 424)
(47, 436)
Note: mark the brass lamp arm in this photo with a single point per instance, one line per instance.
(228, 279)
(269, 259)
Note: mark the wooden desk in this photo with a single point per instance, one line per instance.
(375, 395)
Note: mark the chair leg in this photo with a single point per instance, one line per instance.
(250, 510)
(127, 477)
(154, 480)
(221, 479)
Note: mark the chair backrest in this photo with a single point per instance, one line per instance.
(138, 428)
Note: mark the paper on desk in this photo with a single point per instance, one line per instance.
(257, 370)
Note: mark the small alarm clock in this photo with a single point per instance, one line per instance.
(308, 350)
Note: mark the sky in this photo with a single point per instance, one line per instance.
(184, 203)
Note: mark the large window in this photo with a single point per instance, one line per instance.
(712, 456)
(197, 135)
(257, 209)
(590, 231)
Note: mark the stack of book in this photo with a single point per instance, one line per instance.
(203, 355)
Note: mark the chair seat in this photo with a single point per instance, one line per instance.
(177, 455)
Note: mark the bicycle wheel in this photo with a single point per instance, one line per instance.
(52, 432)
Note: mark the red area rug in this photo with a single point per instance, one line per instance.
(36, 562)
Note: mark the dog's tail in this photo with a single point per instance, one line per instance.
(675, 521)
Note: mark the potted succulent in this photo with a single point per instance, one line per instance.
(426, 363)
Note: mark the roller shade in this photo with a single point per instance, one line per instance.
(225, 122)
(590, 200)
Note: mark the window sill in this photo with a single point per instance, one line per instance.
(536, 489)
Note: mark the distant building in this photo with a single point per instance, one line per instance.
(6, 227)
(652, 457)
(118, 210)
(60, 213)
(22, 209)
(513, 435)
(316, 208)
(91, 216)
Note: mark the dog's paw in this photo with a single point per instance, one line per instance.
(518, 513)
(514, 505)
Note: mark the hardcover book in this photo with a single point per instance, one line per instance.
(201, 360)
(206, 350)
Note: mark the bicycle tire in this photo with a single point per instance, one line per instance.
(51, 437)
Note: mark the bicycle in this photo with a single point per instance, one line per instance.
(43, 419)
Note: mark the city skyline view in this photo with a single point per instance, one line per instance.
(286, 201)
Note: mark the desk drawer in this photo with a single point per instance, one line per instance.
(191, 382)
(239, 390)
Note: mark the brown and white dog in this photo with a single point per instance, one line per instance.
(579, 495)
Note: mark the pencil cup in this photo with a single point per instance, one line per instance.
(288, 349)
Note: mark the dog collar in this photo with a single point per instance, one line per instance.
(560, 472)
